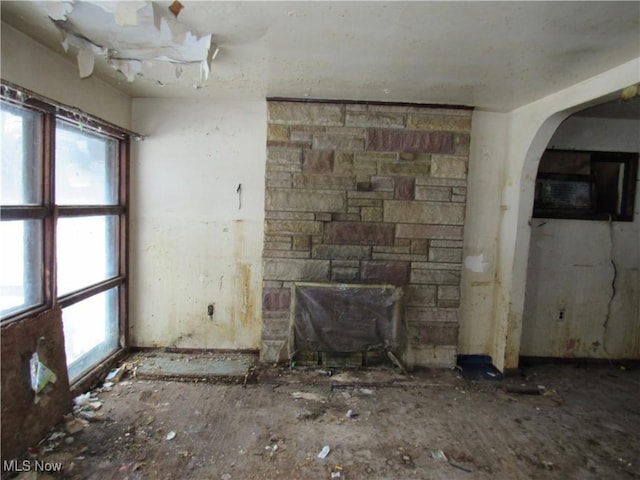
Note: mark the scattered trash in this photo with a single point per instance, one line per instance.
(272, 449)
(366, 391)
(335, 474)
(170, 436)
(115, 375)
(396, 361)
(460, 467)
(83, 399)
(439, 455)
(547, 464)
(324, 452)
(406, 458)
(40, 375)
(478, 367)
(351, 414)
(75, 425)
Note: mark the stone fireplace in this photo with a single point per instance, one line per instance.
(360, 195)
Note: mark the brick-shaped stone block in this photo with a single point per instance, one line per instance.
(317, 161)
(278, 179)
(273, 351)
(451, 232)
(302, 200)
(371, 214)
(302, 242)
(375, 157)
(296, 270)
(322, 182)
(433, 194)
(285, 253)
(448, 296)
(435, 277)
(338, 142)
(343, 252)
(431, 314)
(447, 255)
(276, 325)
(284, 155)
(448, 167)
(439, 213)
(418, 246)
(304, 133)
(356, 233)
(286, 245)
(405, 188)
(449, 123)
(346, 217)
(345, 274)
(409, 141)
(434, 333)
(443, 356)
(276, 299)
(461, 143)
(391, 272)
(415, 169)
(420, 295)
(446, 243)
(291, 227)
(383, 183)
(273, 214)
(298, 113)
(375, 119)
(278, 133)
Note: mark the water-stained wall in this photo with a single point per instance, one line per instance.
(197, 223)
(583, 280)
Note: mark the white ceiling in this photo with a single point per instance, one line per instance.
(491, 55)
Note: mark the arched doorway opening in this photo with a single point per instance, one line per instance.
(582, 296)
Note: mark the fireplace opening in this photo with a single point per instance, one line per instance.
(345, 325)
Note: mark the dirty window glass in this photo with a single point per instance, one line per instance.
(86, 172)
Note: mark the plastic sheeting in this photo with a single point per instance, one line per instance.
(345, 318)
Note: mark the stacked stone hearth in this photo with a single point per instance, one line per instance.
(367, 194)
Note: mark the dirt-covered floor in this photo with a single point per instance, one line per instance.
(377, 424)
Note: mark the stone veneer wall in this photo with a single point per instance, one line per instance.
(367, 193)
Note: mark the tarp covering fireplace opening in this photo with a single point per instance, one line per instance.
(344, 324)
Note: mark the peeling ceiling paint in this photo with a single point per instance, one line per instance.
(130, 35)
(492, 55)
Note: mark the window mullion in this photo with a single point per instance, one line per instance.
(48, 199)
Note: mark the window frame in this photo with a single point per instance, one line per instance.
(627, 187)
(48, 212)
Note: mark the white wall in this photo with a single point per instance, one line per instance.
(488, 154)
(571, 269)
(511, 154)
(192, 241)
(30, 65)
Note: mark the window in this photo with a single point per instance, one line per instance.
(63, 224)
(21, 260)
(586, 185)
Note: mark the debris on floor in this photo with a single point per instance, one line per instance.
(431, 424)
